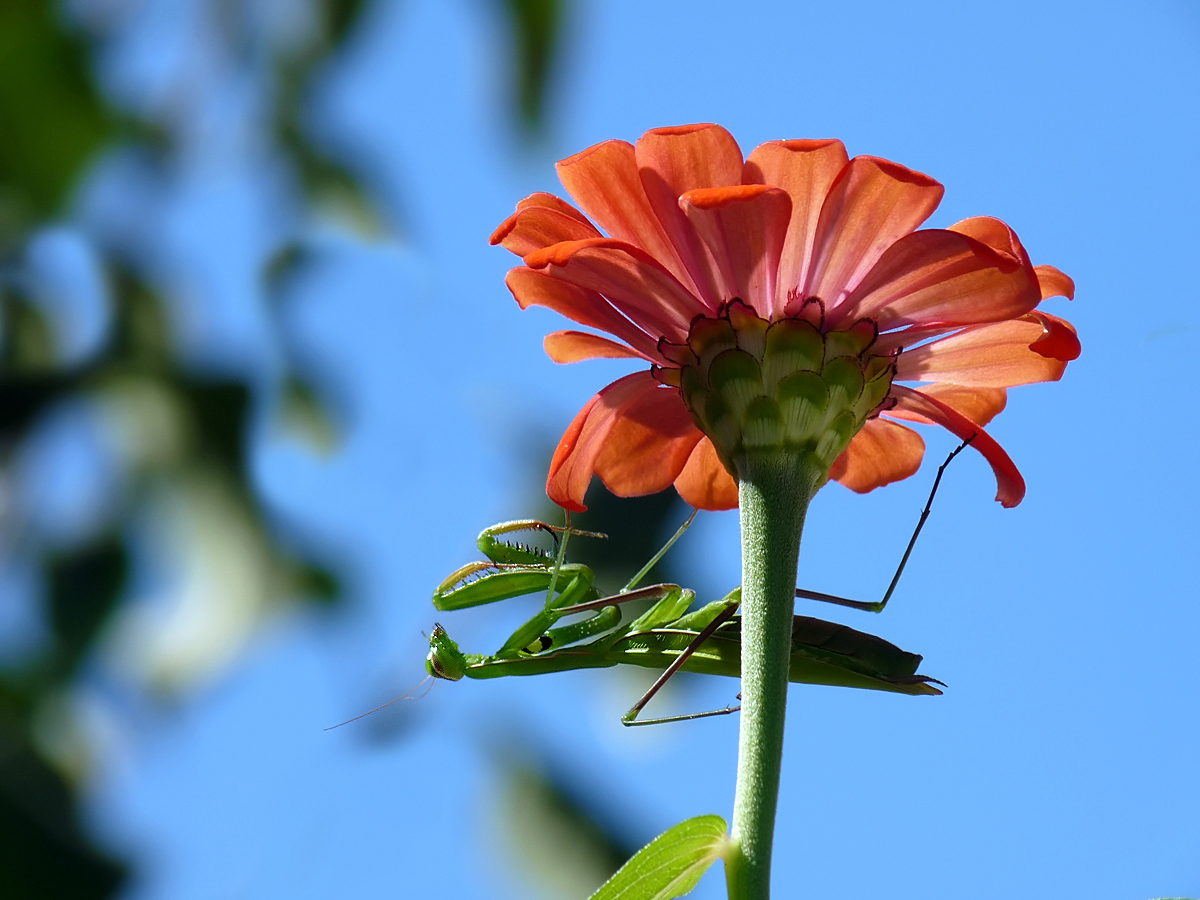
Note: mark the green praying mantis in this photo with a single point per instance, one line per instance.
(666, 636)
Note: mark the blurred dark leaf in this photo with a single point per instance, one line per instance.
(26, 338)
(51, 116)
(314, 582)
(340, 16)
(220, 409)
(304, 414)
(557, 836)
(85, 584)
(636, 527)
(43, 851)
(23, 398)
(536, 25)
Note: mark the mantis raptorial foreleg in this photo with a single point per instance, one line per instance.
(878, 606)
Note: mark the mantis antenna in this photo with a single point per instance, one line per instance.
(407, 695)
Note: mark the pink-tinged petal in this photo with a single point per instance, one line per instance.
(704, 483)
(903, 338)
(994, 355)
(1010, 486)
(882, 452)
(806, 170)
(550, 201)
(575, 456)
(871, 205)
(937, 276)
(673, 161)
(649, 444)
(1058, 340)
(1054, 283)
(573, 346)
(530, 288)
(744, 227)
(604, 181)
(630, 278)
(535, 227)
(997, 235)
(979, 404)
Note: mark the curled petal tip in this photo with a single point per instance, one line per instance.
(1054, 282)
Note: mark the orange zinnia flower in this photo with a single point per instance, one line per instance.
(777, 299)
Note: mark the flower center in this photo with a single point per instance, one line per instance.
(753, 385)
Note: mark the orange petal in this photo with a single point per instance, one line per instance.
(994, 355)
(629, 277)
(938, 276)
(872, 204)
(573, 346)
(673, 161)
(550, 201)
(531, 288)
(996, 235)
(806, 170)
(979, 404)
(744, 228)
(649, 444)
(535, 227)
(1058, 340)
(575, 456)
(604, 181)
(1054, 283)
(882, 452)
(704, 483)
(1010, 486)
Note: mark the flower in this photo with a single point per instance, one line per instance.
(778, 299)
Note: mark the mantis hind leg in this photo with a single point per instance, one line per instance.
(631, 718)
(912, 541)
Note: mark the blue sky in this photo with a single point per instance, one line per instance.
(1061, 760)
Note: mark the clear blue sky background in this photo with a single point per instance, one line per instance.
(1061, 761)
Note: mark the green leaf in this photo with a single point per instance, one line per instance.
(671, 864)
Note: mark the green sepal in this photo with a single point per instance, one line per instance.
(762, 425)
(751, 330)
(852, 342)
(844, 376)
(671, 864)
(803, 399)
(737, 377)
(875, 390)
(834, 438)
(708, 337)
(791, 345)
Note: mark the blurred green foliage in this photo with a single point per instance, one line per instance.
(536, 25)
(184, 430)
(54, 120)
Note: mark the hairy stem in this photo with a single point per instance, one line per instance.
(774, 491)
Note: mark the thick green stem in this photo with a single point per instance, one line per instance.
(774, 491)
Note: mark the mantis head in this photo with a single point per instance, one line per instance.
(445, 660)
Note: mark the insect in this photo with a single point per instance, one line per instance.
(666, 636)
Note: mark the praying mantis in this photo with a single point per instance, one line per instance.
(665, 636)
